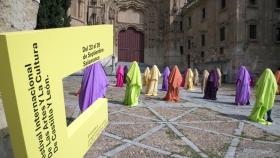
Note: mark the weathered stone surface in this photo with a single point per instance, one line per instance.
(213, 145)
(167, 140)
(252, 149)
(102, 145)
(129, 131)
(221, 127)
(136, 152)
(6, 150)
(17, 15)
(168, 113)
(253, 132)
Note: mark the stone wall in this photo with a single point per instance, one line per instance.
(238, 49)
(17, 15)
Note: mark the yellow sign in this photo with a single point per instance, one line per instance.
(33, 65)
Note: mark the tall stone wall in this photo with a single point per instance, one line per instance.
(17, 15)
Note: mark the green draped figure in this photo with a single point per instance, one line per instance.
(266, 89)
(133, 85)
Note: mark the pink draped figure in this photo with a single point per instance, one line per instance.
(120, 76)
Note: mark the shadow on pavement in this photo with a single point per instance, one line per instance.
(223, 102)
(237, 117)
(194, 92)
(198, 98)
(115, 102)
(6, 150)
(229, 95)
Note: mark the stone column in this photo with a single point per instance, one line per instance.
(17, 15)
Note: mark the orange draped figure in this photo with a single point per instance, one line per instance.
(277, 76)
(174, 82)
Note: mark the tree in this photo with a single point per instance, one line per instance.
(53, 14)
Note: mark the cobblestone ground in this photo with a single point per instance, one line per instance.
(191, 128)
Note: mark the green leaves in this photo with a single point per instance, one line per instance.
(53, 14)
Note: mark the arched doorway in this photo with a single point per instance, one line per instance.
(131, 45)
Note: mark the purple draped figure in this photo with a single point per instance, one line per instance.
(212, 84)
(125, 69)
(165, 76)
(243, 80)
(94, 85)
(120, 76)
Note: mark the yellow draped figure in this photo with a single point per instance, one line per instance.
(204, 80)
(189, 80)
(146, 78)
(196, 77)
(220, 76)
(153, 81)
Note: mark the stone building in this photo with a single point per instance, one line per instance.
(142, 27)
(190, 33)
(227, 34)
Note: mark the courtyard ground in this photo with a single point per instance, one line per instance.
(191, 128)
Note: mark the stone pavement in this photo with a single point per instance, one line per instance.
(191, 128)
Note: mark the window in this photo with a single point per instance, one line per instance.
(203, 40)
(222, 50)
(253, 31)
(203, 13)
(190, 21)
(223, 4)
(181, 26)
(222, 34)
(252, 2)
(278, 4)
(181, 50)
(189, 44)
(189, 60)
(278, 34)
(202, 56)
(79, 9)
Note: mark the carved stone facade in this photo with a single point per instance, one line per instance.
(194, 33)
(141, 15)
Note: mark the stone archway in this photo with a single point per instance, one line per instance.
(140, 15)
(131, 45)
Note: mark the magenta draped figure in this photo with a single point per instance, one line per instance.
(165, 76)
(120, 76)
(243, 91)
(94, 85)
(125, 69)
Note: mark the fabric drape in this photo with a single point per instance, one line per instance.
(243, 91)
(266, 88)
(153, 81)
(133, 85)
(120, 76)
(166, 73)
(174, 82)
(94, 85)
